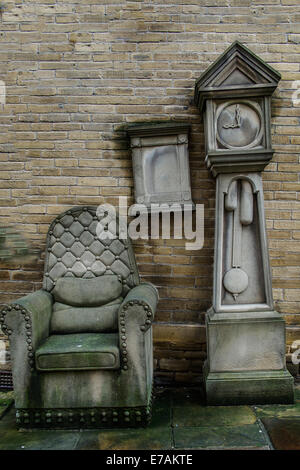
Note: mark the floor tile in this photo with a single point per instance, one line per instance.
(278, 411)
(126, 439)
(12, 439)
(188, 396)
(195, 426)
(247, 436)
(161, 411)
(213, 415)
(6, 400)
(158, 435)
(284, 433)
(39, 440)
(8, 421)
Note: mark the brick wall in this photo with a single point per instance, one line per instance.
(76, 71)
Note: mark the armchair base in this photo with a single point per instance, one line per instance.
(83, 418)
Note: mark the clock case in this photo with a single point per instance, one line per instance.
(245, 335)
(238, 77)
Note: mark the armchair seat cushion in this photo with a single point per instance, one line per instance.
(68, 319)
(83, 351)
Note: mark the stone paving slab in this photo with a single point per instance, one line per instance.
(12, 439)
(187, 397)
(37, 440)
(6, 400)
(161, 412)
(221, 437)
(8, 421)
(126, 439)
(158, 435)
(279, 411)
(284, 433)
(180, 420)
(213, 415)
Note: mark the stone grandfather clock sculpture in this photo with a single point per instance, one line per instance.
(245, 336)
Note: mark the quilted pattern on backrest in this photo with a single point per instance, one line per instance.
(73, 249)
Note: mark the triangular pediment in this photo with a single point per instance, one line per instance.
(236, 73)
(236, 69)
(237, 77)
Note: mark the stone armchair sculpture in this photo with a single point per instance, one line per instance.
(81, 347)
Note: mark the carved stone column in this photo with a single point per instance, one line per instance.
(245, 336)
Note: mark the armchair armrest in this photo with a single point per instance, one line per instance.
(27, 323)
(144, 295)
(135, 318)
(34, 311)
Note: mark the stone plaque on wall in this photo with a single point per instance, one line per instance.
(160, 163)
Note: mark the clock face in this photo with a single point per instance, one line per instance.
(239, 125)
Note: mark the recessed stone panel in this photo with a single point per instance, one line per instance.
(160, 163)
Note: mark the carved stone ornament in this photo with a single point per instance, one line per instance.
(246, 336)
(160, 163)
(235, 96)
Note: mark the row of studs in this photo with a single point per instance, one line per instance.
(68, 417)
(28, 327)
(123, 337)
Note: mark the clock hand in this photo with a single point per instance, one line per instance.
(237, 118)
(229, 126)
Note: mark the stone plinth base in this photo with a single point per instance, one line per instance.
(246, 359)
(248, 388)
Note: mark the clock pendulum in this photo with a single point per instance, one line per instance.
(236, 279)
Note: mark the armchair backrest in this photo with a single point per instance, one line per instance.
(73, 249)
